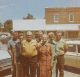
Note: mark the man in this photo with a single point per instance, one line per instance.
(29, 56)
(61, 49)
(51, 37)
(38, 36)
(38, 39)
(14, 51)
(51, 40)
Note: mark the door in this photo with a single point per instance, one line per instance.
(71, 56)
(78, 57)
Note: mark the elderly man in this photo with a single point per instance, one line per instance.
(29, 56)
(51, 40)
(51, 36)
(14, 51)
(61, 49)
(38, 36)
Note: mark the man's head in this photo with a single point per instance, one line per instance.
(51, 35)
(39, 35)
(29, 36)
(15, 35)
(58, 35)
(21, 36)
(44, 38)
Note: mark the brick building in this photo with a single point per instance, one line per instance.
(64, 16)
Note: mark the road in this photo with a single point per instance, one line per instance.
(66, 74)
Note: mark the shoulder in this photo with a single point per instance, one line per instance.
(23, 41)
(34, 42)
(10, 41)
(63, 40)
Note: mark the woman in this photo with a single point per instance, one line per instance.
(44, 49)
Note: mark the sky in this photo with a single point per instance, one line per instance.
(17, 9)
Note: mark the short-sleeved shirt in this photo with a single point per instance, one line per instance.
(60, 46)
(29, 48)
(13, 46)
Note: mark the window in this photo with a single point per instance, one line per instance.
(72, 48)
(71, 18)
(56, 18)
(78, 48)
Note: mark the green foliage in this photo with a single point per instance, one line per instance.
(8, 26)
(29, 16)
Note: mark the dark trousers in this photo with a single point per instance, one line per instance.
(60, 66)
(29, 66)
(13, 69)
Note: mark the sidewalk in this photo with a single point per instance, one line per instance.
(66, 74)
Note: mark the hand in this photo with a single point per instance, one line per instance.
(55, 57)
(15, 62)
(61, 52)
(38, 64)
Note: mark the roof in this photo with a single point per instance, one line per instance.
(63, 27)
(40, 24)
(34, 24)
(62, 9)
(73, 42)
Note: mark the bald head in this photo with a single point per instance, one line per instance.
(51, 35)
(29, 36)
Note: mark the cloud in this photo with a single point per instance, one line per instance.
(3, 6)
(6, 6)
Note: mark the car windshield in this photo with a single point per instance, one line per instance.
(78, 48)
(71, 48)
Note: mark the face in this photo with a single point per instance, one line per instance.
(51, 36)
(44, 38)
(29, 38)
(15, 35)
(58, 36)
(36, 35)
(21, 37)
(40, 36)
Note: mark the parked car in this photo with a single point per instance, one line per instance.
(5, 60)
(72, 57)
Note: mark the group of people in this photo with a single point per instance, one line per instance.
(39, 55)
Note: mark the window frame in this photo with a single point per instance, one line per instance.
(56, 18)
(71, 17)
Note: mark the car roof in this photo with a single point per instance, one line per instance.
(73, 42)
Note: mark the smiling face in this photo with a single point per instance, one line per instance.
(44, 38)
(58, 36)
(29, 36)
(15, 35)
(51, 35)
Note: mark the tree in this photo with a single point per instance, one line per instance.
(8, 25)
(29, 16)
(1, 26)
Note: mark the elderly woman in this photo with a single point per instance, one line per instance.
(44, 49)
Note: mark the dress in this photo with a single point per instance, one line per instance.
(45, 60)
